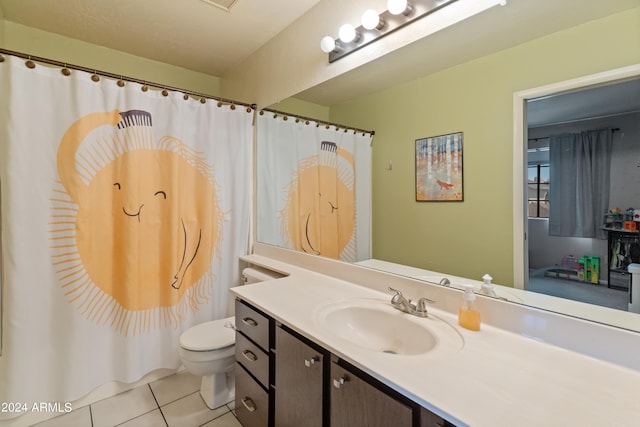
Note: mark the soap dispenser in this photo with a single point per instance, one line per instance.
(468, 314)
(487, 287)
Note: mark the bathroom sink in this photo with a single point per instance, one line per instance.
(376, 326)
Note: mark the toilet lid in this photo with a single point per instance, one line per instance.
(208, 336)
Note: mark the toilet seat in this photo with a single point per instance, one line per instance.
(208, 336)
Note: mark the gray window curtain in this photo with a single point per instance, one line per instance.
(579, 176)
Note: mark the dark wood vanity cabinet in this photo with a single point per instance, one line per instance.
(302, 384)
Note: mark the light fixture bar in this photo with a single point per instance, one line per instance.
(421, 8)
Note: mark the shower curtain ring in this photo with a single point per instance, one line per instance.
(30, 63)
(65, 71)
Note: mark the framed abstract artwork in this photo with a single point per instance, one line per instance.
(439, 168)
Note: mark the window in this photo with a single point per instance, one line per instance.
(538, 191)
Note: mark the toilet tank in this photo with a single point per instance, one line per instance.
(258, 274)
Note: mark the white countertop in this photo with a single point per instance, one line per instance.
(498, 379)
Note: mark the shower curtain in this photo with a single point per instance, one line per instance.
(313, 188)
(124, 212)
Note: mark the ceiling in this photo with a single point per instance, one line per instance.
(196, 35)
(600, 101)
(192, 34)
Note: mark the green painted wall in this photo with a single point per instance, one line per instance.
(20, 38)
(472, 237)
(1, 27)
(302, 108)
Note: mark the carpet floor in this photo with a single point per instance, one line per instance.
(577, 291)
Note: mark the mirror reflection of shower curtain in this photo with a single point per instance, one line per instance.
(313, 188)
(124, 213)
(579, 177)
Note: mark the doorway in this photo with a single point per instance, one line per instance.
(520, 155)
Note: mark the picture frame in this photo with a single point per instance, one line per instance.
(439, 171)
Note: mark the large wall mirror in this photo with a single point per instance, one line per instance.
(507, 98)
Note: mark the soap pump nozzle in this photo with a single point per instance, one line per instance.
(468, 296)
(487, 287)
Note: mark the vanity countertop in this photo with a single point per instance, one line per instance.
(498, 378)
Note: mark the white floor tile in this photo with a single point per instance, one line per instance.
(190, 411)
(80, 417)
(151, 419)
(123, 407)
(174, 387)
(227, 420)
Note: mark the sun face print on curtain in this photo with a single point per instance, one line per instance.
(314, 188)
(132, 245)
(319, 217)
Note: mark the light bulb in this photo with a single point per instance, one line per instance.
(347, 33)
(327, 44)
(396, 7)
(371, 20)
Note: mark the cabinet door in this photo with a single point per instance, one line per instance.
(355, 402)
(298, 385)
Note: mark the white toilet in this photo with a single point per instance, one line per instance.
(208, 350)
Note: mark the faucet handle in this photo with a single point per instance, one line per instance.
(397, 297)
(421, 307)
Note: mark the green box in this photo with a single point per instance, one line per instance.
(591, 268)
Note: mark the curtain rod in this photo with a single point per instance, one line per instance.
(547, 137)
(319, 122)
(64, 65)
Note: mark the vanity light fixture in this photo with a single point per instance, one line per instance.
(348, 34)
(328, 44)
(397, 7)
(371, 20)
(377, 25)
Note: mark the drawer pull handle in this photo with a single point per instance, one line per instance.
(249, 404)
(310, 362)
(249, 355)
(339, 382)
(249, 321)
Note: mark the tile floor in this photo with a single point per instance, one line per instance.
(173, 401)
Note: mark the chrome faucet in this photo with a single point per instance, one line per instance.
(399, 302)
(445, 282)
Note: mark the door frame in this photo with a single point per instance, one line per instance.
(520, 218)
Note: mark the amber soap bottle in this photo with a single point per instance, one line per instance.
(468, 314)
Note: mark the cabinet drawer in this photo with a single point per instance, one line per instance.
(253, 324)
(252, 402)
(253, 359)
(619, 279)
